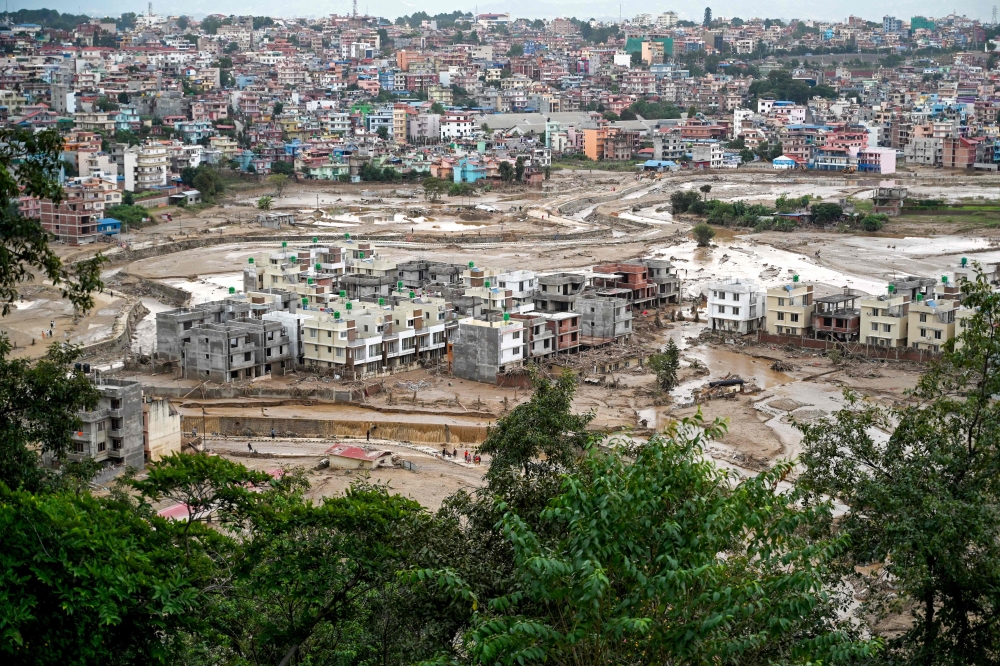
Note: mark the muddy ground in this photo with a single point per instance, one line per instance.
(761, 424)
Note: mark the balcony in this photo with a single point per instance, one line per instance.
(116, 453)
(115, 413)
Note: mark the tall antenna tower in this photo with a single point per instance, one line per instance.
(994, 14)
(150, 9)
(355, 8)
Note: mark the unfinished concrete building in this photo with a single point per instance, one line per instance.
(481, 350)
(603, 319)
(419, 273)
(234, 350)
(539, 337)
(838, 317)
(112, 432)
(558, 292)
(663, 274)
(173, 325)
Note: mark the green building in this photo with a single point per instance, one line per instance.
(921, 23)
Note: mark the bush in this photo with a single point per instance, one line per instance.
(703, 234)
(680, 202)
(874, 222)
(129, 214)
(826, 212)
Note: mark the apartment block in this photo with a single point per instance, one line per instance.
(235, 350)
(932, 320)
(481, 350)
(112, 432)
(790, 309)
(75, 219)
(737, 305)
(885, 319)
(603, 319)
(663, 274)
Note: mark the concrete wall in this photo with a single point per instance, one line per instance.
(121, 337)
(477, 353)
(162, 430)
(427, 433)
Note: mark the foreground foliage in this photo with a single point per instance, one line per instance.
(923, 486)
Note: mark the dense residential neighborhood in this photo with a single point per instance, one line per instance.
(143, 99)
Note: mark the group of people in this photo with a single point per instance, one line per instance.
(473, 458)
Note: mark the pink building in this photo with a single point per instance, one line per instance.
(877, 160)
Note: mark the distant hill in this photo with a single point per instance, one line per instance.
(47, 18)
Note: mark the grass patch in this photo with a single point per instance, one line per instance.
(580, 165)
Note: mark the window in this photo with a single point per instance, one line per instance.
(329, 334)
(338, 352)
(886, 328)
(78, 447)
(781, 302)
(516, 335)
(736, 297)
(874, 326)
(923, 317)
(247, 356)
(923, 332)
(312, 332)
(721, 308)
(795, 317)
(937, 335)
(781, 316)
(736, 311)
(101, 446)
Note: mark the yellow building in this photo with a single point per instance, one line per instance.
(932, 320)
(790, 309)
(885, 319)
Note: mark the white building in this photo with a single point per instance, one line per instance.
(738, 305)
(522, 285)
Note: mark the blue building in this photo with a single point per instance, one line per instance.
(109, 226)
(469, 171)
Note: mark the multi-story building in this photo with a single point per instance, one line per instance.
(112, 432)
(75, 219)
(790, 309)
(932, 320)
(152, 166)
(838, 317)
(736, 305)
(708, 155)
(521, 284)
(603, 319)
(235, 350)
(663, 274)
(885, 319)
(557, 292)
(482, 350)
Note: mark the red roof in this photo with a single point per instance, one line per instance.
(356, 453)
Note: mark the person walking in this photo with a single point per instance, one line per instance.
(272, 433)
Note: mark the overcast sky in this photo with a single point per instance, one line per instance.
(601, 9)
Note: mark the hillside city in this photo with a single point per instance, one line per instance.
(476, 339)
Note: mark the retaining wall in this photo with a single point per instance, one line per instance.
(121, 336)
(424, 433)
(872, 351)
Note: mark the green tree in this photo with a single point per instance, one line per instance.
(506, 172)
(123, 97)
(383, 132)
(515, 51)
(922, 498)
(128, 198)
(437, 108)
(703, 234)
(826, 212)
(650, 554)
(519, 169)
(705, 189)
(265, 203)
(434, 188)
(665, 364)
(232, 47)
(183, 22)
(86, 581)
(537, 436)
(279, 182)
(283, 168)
(211, 25)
